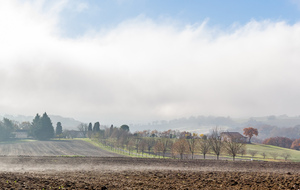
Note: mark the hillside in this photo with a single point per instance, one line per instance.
(67, 123)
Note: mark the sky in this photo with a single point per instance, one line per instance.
(135, 61)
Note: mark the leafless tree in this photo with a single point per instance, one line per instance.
(233, 145)
(215, 142)
(137, 141)
(274, 155)
(143, 146)
(252, 152)
(203, 146)
(130, 145)
(158, 147)
(243, 151)
(286, 156)
(192, 142)
(263, 154)
(150, 144)
(83, 128)
(167, 144)
(180, 147)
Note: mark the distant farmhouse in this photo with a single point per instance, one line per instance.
(21, 134)
(233, 136)
(70, 134)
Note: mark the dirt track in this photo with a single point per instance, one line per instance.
(132, 173)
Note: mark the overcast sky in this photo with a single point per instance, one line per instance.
(135, 61)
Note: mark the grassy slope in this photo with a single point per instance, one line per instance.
(260, 148)
(267, 149)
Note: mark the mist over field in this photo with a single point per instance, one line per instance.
(143, 69)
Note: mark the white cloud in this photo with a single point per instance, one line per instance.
(143, 70)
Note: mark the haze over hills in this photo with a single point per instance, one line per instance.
(67, 123)
(268, 126)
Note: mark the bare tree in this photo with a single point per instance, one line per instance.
(192, 145)
(243, 151)
(263, 154)
(203, 147)
(137, 143)
(252, 152)
(143, 146)
(180, 147)
(215, 142)
(274, 155)
(130, 145)
(83, 128)
(233, 145)
(150, 144)
(158, 147)
(167, 144)
(286, 156)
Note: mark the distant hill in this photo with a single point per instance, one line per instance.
(67, 123)
(268, 126)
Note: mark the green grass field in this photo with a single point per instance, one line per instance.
(294, 155)
(269, 150)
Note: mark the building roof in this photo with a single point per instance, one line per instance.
(233, 134)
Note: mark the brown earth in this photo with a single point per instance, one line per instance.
(52, 148)
(27, 172)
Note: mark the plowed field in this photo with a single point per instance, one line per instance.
(57, 172)
(52, 148)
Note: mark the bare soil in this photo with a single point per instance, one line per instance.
(52, 148)
(50, 172)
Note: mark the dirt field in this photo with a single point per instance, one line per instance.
(133, 173)
(52, 148)
(21, 168)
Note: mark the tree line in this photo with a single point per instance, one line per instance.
(172, 143)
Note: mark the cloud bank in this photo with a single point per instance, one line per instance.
(142, 70)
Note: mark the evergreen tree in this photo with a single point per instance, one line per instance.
(36, 127)
(6, 129)
(42, 128)
(48, 130)
(58, 129)
(90, 128)
(125, 128)
(96, 127)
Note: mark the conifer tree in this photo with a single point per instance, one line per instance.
(58, 129)
(96, 127)
(48, 130)
(42, 127)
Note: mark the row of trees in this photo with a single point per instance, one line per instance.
(283, 142)
(6, 129)
(187, 145)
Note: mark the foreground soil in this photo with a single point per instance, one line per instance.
(133, 173)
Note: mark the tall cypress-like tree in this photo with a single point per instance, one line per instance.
(96, 127)
(48, 130)
(36, 127)
(58, 129)
(90, 127)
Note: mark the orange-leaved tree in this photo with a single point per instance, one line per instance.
(296, 144)
(250, 131)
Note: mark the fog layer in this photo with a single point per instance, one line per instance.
(142, 70)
